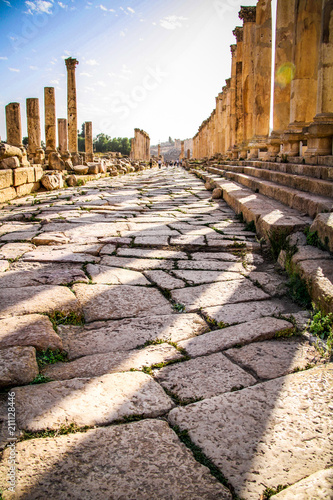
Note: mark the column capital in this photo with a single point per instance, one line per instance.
(71, 63)
(238, 33)
(248, 14)
(233, 48)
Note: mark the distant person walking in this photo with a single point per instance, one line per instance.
(159, 163)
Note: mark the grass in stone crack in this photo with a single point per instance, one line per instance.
(297, 290)
(269, 492)
(50, 357)
(202, 458)
(321, 325)
(40, 379)
(59, 318)
(63, 430)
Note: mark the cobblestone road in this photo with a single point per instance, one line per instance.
(182, 345)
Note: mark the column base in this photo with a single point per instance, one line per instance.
(320, 136)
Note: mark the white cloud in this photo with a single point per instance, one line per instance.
(123, 33)
(54, 82)
(112, 10)
(3, 58)
(62, 5)
(33, 67)
(14, 69)
(102, 7)
(101, 83)
(172, 22)
(39, 7)
(92, 62)
(86, 74)
(131, 10)
(7, 3)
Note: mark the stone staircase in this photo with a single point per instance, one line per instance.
(288, 198)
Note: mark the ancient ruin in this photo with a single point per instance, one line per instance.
(167, 332)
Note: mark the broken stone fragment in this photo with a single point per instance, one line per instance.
(12, 162)
(18, 366)
(217, 193)
(80, 169)
(52, 181)
(55, 162)
(71, 180)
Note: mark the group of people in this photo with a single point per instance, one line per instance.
(175, 163)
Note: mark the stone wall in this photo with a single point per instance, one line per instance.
(238, 127)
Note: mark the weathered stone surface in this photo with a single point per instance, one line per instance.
(119, 301)
(84, 401)
(55, 162)
(127, 334)
(31, 330)
(18, 236)
(200, 277)
(275, 358)
(323, 224)
(274, 430)
(50, 239)
(217, 193)
(80, 169)
(309, 252)
(319, 486)
(56, 254)
(23, 274)
(318, 275)
(203, 378)
(229, 257)
(73, 465)
(213, 265)
(230, 314)
(37, 299)
(156, 241)
(151, 254)
(115, 275)
(164, 280)
(100, 364)
(52, 181)
(245, 333)
(71, 180)
(271, 283)
(137, 264)
(4, 265)
(188, 239)
(217, 294)
(18, 365)
(14, 250)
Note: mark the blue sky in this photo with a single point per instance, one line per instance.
(156, 65)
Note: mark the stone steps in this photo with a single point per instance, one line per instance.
(305, 202)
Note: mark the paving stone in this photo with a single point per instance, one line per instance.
(115, 276)
(31, 330)
(95, 464)
(15, 227)
(150, 254)
(318, 486)
(23, 274)
(119, 301)
(244, 333)
(137, 264)
(309, 252)
(50, 239)
(15, 250)
(277, 432)
(229, 257)
(218, 294)
(156, 241)
(188, 239)
(200, 277)
(4, 265)
(213, 265)
(37, 299)
(100, 364)
(231, 314)
(271, 283)
(89, 401)
(164, 280)
(275, 358)
(18, 365)
(18, 236)
(203, 378)
(127, 334)
(56, 254)
(86, 233)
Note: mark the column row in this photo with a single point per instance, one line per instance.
(140, 145)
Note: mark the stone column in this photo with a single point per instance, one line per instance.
(50, 119)
(248, 14)
(320, 131)
(159, 150)
(71, 104)
(63, 138)
(88, 141)
(13, 124)
(238, 33)
(34, 133)
(307, 22)
(262, 72)
(283, 74)
(227, 130)
(188, 154)
(182, 150)
(232, 92)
